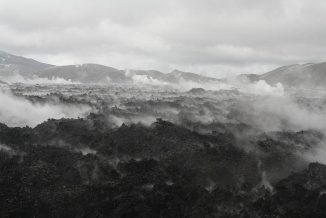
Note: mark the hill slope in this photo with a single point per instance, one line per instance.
(12, 64)
(298, 76)
(85, 73)
(175, 76)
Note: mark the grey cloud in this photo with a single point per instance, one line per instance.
(210, 37)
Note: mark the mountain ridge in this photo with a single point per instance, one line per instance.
(309, 75)
(88, 73)
(84, 73)
(298, 75)
(10, 64)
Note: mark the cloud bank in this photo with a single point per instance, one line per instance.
(17, 78)
(215, 38)
(16, 111)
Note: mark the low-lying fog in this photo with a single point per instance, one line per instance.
(18, 111)
(265, 107)
(199, 107)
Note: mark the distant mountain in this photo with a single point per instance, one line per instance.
(175, 76)
(2, 82)
(298, 75)
(248, 77)
(12, 64)
(309, 76)
(85, 73)
(186, 76)
(95, 73)
(150, 74)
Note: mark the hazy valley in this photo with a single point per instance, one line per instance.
(94, 141)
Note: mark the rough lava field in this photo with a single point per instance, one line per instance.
(140, 147)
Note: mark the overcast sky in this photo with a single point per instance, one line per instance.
(212, 37)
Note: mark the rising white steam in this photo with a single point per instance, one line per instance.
(4, 148)
(17, 111)
(17, 78)
(181, 84)
(282, 113)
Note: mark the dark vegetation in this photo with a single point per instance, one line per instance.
(86, 168)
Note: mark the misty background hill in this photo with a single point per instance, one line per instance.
(2, 82)
(85, 73)
(173, 77)
(308, 76)
(10, 64)
(295, 76)
(298, 75)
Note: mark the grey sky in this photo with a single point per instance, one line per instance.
(212, 37)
